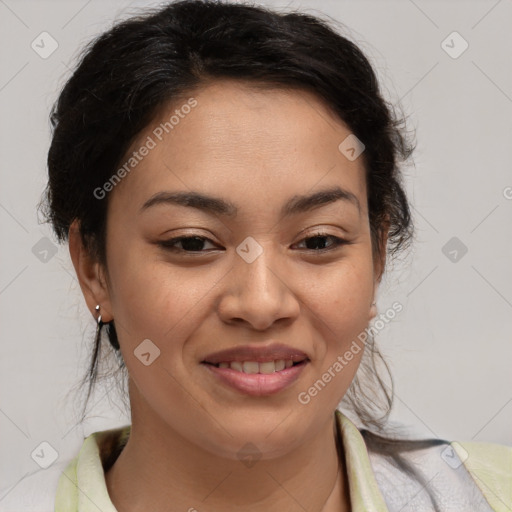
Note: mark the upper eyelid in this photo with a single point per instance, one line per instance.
(318, 233)
(311, 235)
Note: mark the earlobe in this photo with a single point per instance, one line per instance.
(89, 276)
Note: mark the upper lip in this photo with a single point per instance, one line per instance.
(257, 353)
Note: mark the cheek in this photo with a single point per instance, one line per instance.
(344, 296)
(163, 306)
(341, 305)
(157, 303)
(167, 304)
(340, 316)
(151, 298)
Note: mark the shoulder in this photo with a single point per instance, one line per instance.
(454, 476)
(490, 466)
(45, 489)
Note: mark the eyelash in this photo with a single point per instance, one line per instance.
(338, 242)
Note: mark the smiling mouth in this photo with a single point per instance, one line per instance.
(252, 367)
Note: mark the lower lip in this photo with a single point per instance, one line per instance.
(258, 384)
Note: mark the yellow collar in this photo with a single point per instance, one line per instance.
(82, 486)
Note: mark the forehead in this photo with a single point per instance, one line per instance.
(242, 142)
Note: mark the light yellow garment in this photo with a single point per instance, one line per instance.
(82, 485)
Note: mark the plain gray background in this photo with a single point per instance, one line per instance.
(449, 349)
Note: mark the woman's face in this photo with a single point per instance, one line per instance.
(257, 277)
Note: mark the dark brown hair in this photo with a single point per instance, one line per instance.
(128, 74)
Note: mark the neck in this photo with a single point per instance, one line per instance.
(160, 469)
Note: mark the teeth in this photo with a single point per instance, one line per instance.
(255, 367)
(251, 367)
(269, 367)
(236, 365)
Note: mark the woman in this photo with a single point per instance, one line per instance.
(228, 180)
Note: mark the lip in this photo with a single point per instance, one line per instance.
(257, 353)
(257, 384)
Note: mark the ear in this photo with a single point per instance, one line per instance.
(379, 266)
(90, 276)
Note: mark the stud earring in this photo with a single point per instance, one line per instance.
(112, 334)
(100, 323)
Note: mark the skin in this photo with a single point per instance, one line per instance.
(257, 149)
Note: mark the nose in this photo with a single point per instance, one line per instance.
(258, 294)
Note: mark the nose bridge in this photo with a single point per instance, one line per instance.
(258, 292)
(254, 266)
(259, 277)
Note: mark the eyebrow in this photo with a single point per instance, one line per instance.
(214, 205)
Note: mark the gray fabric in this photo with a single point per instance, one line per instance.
(425, 478)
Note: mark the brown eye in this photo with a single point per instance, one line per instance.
(188, 243)
(317, 242)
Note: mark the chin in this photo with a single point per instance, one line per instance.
(269, 437)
